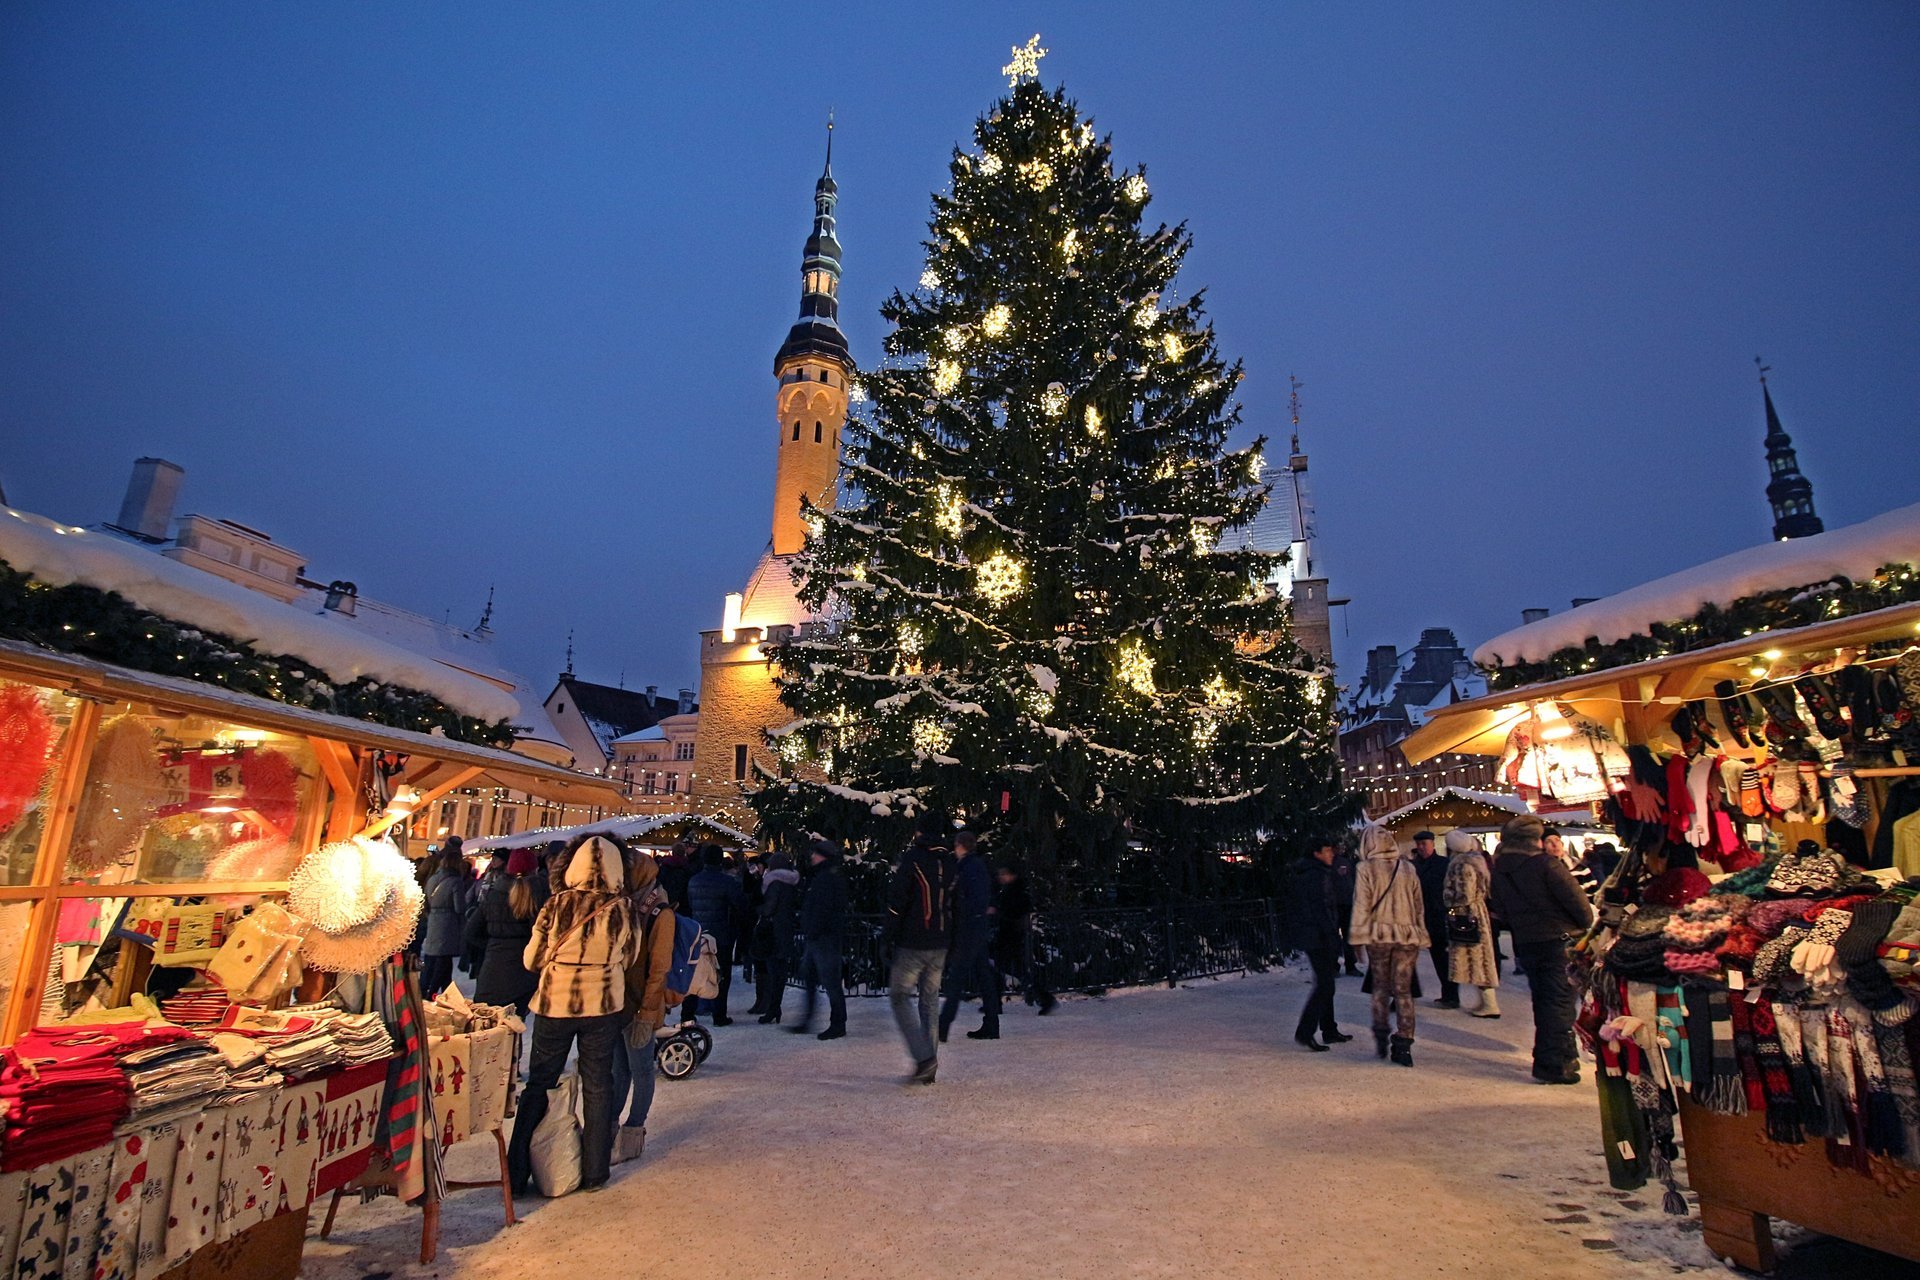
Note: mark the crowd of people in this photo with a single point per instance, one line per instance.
(579, 939)
(1394, 905)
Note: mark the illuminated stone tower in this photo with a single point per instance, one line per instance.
(812, 366)
(738, 700)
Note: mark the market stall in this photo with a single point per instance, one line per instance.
(1751, 731)
(209, 1021)
(643, 831)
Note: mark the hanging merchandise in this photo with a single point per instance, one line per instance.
(121, 798)
(26, 747)
(270, 787)
(261, 958)
(362, 900)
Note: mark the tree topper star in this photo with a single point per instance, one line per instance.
(1026, 62)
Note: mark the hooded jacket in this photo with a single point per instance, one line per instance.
(1387, 906)
(823, 908)
(647, 975)
(779, 909)
(585, 936)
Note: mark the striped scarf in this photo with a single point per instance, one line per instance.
(1804, 1078)
(1783, 1108)
(1896, 1058)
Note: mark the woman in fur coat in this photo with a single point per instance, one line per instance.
(1471, 963)
(1389, 920)
(583, 940)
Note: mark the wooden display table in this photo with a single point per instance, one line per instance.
(1743, 1179)
(267, 1250)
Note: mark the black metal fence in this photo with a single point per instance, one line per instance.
(1095, 948)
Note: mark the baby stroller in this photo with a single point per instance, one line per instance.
(679, 1049)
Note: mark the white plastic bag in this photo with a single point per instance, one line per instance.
(556, 1143)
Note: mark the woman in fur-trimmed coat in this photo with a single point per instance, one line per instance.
(1469, 876)
(1389, 921)
(583, 940)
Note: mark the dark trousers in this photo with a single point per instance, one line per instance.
(1553, 1005)
(715, 1006)
(1350, 952)
(553, 1039)
(1437, 937)
(820, 967)
(436, 975)
(971, 970)
(1318, 1015)
(771, 981)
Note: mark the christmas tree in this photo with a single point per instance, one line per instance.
(1036, 618)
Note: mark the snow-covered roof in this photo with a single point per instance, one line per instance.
(1491, 799)
(772, 599)
(1854, 552)
(631, 827)
(654, 734)
(63, 555)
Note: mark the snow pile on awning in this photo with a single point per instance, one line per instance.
(1855, 553)
(63, 555)
(631, 827)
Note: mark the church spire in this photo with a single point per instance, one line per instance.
(818, 329)
(1789, 493)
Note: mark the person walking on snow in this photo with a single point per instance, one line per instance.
(717, 902)
(1471, 964)
(1389, 920)
(919, 932)
(1013, 938)
(583, 940)
(969, 966)
(1432, 866)
(449, 890)
(1542, 905)
(773, 934)
(634, 1071)
(1346, 867)
(823, 922)
(1316, 931)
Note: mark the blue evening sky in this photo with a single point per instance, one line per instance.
(450, 295)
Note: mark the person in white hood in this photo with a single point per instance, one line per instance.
(1389, 922)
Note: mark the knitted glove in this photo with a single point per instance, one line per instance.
(1813, 957)
(1773, 961)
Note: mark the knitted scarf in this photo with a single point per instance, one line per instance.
(1858, 950)
(1746, 1051)
(1716, 1072)
(1673, 1030)
(1783, 1108)
(1804, 1078)
(1879, 1113)
(1843, 1103)
(1897, 1061)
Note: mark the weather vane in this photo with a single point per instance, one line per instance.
(1765, 369)
(1026, 62)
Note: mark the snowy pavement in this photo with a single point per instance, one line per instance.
(1152, 1133)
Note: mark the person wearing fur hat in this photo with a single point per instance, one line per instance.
(1470, 964)
(583, 940)
(1389, 920)
(773, 930)
(634, 1073)
(501, 927)
(823, 922)
(1538, 898)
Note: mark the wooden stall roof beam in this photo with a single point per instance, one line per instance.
(505, 768)
(1470, 726)
(338, 766)
(380, 826)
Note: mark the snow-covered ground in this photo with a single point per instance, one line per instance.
(1166, 1133)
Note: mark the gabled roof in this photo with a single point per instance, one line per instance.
(772, 598)
(611, 713)
(655, 734)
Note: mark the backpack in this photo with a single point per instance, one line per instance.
(694, 969)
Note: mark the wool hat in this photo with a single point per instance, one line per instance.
(1768, 918)
(521, 862)
(1677, 887)
(1639, 959)
(1684, 962)
(1460, 842)
(1422, 835)
(1523, 829)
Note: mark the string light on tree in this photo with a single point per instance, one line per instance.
(946, 376)
(911, 639)
(999, 578)
(994, 324)
(1025, 64)
(1134, 666)
(1146, 313)
(956, 337)
(1070, 245)
(1174, 346)
(1220, 695)
(930, 737)
(1135, 188)
(950, 506)
(1095, 426)
(1053, 401)
(1204, 537)
(1038, 173)
(990, 164)
(929, 279)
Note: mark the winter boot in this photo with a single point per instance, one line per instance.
(987, 1031)
(923, 1071)
(1489, 1006)
(1403, 1050)
(1306, 1041)
(1335, 1037)
(1047, 1002)
(831, 1033)
(1379, 1042)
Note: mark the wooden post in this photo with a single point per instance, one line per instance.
(1745, 1238)
(63, 804)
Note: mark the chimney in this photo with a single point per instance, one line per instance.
(653, 692)
(147, 511)
(1383, 660)
(1530, 616)
(343, 597)
(686, 701)
(1580, 600)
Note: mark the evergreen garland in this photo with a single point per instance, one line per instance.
(104, 625)
(1714, 624)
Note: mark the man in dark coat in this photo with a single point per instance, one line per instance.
(823, 923)
(1314, 916)
(1346, 867)
(1013, 939)
(969, 966)
(773, 932)
(717, 903)
(919, 933)
(1536, 895)
(676, 868)
(1432, 868)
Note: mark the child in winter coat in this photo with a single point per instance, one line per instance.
(583, 940)
(1389, 920)
(633, 1063)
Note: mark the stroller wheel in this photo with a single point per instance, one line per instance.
(678, 1058)
(702, 1041)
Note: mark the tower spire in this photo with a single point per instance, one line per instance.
(1789, 493)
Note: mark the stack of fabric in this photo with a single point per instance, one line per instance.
(171, 1080)
(197, 1006)
(346, 1040)
(64, 1088)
